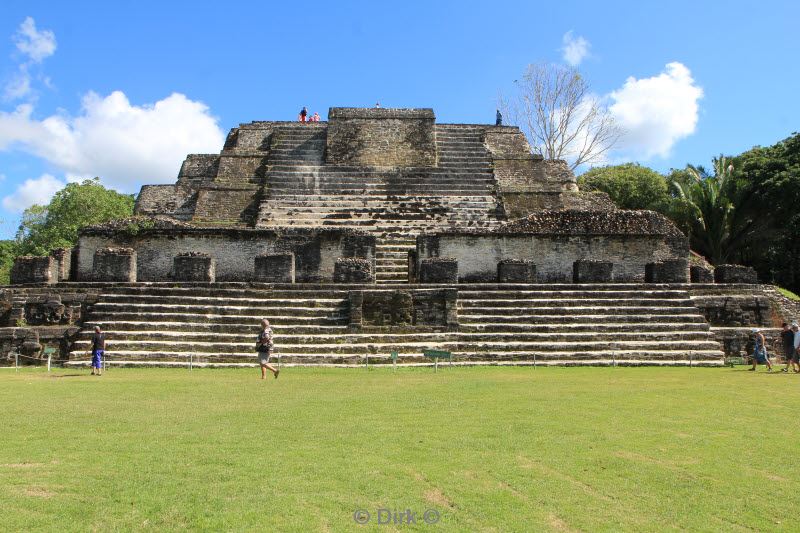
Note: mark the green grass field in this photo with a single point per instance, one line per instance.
(488, 449)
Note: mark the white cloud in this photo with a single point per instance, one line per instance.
(33, 191)
(575, 49)
(656, 112)
(35, 44)
(19, 85)
(126, 145)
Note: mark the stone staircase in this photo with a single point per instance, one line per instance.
(394, 204)
(162, 324)
(302, 191)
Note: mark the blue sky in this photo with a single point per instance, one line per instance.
(125, 89)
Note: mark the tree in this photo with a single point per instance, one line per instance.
(560, 116)
(56, 225)
(721, 218)
(630, 186)
(774, 172)
(7, 254)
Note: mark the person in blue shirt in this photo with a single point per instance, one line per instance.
(760, 355)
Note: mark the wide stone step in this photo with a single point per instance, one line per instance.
(240, 328)
(273, 300)
(569, 291)
(591, 358)
(600, 324)
(476, 306)
(388, 347)
(289, 339)
(217, 318)
(271, 291)
(563, 316)
(263, 307)
(530, 313)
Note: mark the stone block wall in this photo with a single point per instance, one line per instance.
(381, 137)
(555, 240)
(737, 310)
(438, 270)
(522, 204)
(353, 270)
(423, 308)
(194, 266)
(516, 271)
(734, 274)
(234, 249)
(700, 274)
(275, 268)
(30, 269)
(63, 260)
(667, 271)
(114, 264)
(592, 271)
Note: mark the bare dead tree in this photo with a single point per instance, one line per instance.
(555, 109)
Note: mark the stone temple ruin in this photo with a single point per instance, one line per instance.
(382, 231)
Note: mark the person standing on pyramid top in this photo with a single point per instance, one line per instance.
(377, 105)
(316, 117)
(264, 346)
(303, 114)
(498, 118)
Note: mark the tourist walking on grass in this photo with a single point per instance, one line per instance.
(787, 338)
(760, 355)
(264, 346)
(98, 351)
(796, 354)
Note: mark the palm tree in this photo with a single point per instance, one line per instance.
(721, 220)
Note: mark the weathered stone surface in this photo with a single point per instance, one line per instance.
(516, 271)
(194, 266)
(556, 239)
(522, 204)
(31, 269)
(734, 274)
(736, 310)
(423, 308)
(700, 274)
(234, 249)
(438, 270)
(667, 271)
(352, 270)
(592, 271)
(114, 264)
(63, 260)
(275, 268)
(381, 137)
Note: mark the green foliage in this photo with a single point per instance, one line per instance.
(721, 219)
(56, 225)
(7, 255)
(630, 186)
(789, 294)
(774, 173)
(135, 227)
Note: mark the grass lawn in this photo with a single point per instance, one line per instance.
(489, 449)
